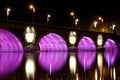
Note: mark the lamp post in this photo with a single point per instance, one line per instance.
(95, 23)
(75, 20)
(72, 14)
(100, 19)
(33, 11)
(8, 12)
(113, 27)
(48, 18)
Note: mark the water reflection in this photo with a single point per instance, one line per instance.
(52, 61)
(110, 57)
(72, 63)
(110, 52)
(30, 67)
(86, 58)
(9, 62)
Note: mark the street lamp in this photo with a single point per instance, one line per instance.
(8, 12)
(48, 18)
(72, 14)
(113, 26)
(33, 10)
(76, 21)
(95, 23)
(100, 19)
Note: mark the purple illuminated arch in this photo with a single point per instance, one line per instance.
(52, 61)
(52, 42)
(110, 52)
(9, 62)
(86, 59)
(9, 42)
(86, 43)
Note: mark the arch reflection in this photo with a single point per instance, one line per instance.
(52, 61)
(86, 59)
(9, 62)
(110, 52)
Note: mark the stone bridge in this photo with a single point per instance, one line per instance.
(18, 29)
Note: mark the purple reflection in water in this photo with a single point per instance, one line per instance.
(52, 42)
(86, 59)
(52, 61)
(110, 52)
(86, 43)
(9, 61)
(9, 42)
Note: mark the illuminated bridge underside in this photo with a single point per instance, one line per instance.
(9, 42)
(86, 43)
(110, 52)
(52, 42)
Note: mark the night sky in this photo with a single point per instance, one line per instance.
(85, 10)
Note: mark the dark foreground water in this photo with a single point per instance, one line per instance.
(81, 65)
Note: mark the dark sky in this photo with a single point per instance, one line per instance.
(85, 10)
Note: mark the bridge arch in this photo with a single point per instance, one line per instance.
(9, 42)
(110, 45)
(86, 43)
(52, 42)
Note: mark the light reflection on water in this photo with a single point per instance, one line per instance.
(9, 62)
(52, 62)
(86, 59)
